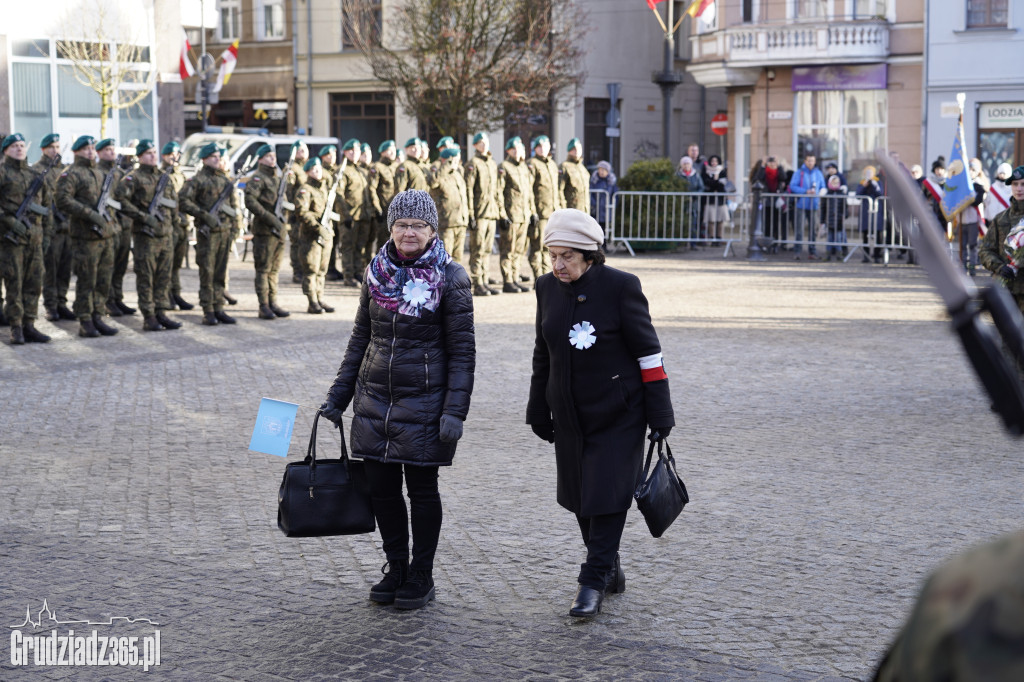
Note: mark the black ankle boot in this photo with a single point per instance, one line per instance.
(615, 581)
(394, 577)
(417, 590)
(33, 335)
(587, 602)
(101, 326)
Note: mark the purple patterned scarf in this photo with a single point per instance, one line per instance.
(408, 289)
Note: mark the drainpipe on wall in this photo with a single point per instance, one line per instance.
(924, 91)
(295, 60)
(309, 63)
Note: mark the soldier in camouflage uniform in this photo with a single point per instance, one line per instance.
(78, 196)
(382, 191)
(169, 157)
(329, 161)
(297, 177)
(515, 186)
(213, 232)
(152, 233)
(546, 199)
(967, 622)
(482, 190)
(992, 252)
(409, 174)
(354, 212)
(267, 230)
(106, 151)
(424, 159)
(310, 206)
(453, 208)
(238, 227)
(21, 241)
(574, 179)
(368, 247)
(56, 241)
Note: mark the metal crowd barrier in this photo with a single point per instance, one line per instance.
(660, 220)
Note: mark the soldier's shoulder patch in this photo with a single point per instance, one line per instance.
(373, 170)
(128, 178)
(64, 174)
(255, 178)
(501, 169)
(401, 169)
(303, 190)
(561, 171)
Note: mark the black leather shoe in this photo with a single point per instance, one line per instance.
(266, 313)
(33, 335)
(182, 303)
(511, 288)
(494, 292)
(223, 317)
(113, 309)
(124, 308)
(101, 326)
(333, 276)
(87, 330)
(280, 312)
(326, 308)
(587, 602)
(17, 335)
(166, 322)
(523, 287)
(65, 312)
(150, 324)
(615, 581)
(394, 577)
(210, 320)
(230, 299)
(416, 592)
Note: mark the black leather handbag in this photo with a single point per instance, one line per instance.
(321, 497)
(661, 496)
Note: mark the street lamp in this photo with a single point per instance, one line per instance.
(668, 78)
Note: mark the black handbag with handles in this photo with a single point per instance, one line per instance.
(661, 496)
(324, 496)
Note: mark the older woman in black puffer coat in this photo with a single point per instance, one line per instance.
(409, 365)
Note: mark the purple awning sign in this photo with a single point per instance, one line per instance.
(840, 77)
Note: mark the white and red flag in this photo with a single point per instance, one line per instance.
(228, 60)
(185, 67)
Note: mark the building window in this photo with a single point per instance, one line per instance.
(986, 13)
(229, 25)
(841, 126)
(75, 99)
(597, 146)
(809, 9)
(136, 122)
(270, 19)
(868, 9)
(366, 116)
(30, 100)
(360, 18)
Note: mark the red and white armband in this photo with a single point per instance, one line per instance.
(652, 368)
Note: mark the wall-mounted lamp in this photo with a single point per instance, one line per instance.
(770, 74)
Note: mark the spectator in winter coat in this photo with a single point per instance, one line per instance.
(774, 178)
(972, 218)
(807, 181)
(716, 209)
(833, 212)
(869, 190)
(603, 180)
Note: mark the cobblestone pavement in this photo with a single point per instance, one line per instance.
(834, 442)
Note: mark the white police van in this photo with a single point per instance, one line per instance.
(242, 143)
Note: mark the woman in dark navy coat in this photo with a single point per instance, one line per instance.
(598, 383)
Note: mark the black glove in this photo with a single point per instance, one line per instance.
(209, 219)
(534, 219)
(279, 224)
(451, 428)
(151, 221)
(660, 432)
(331, 412)
(348, 224)
(1006, 272)
(472, 223)
(502, 224)
(379, 216)
(545, 431)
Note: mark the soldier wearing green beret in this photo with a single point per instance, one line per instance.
(92, 227)
(515, 186)
(310, 206)
(409, 174)
(453, 209)
(574, 179)
(57, 241)
(169, 157)
(199, 198)
(482, 190)
(21, 241)
(296, 177)
(546, 199)
(424, 158)
(268, 231)
(382, 189)
(106, 151)
(152, 233)
(367, 248)
(994, 252)
(329, 160)
(352, 206)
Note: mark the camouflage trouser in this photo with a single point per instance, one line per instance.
(454, 239)
(354, 258)
(267, 253)
(93, 263)
(179, 249)
(315, 258)
(481, 242)
(293, 249)
(512, 246)
(57, 271)
(540, 260)
(152, 273)
(21, 271)
(212, 258)
(122, 249)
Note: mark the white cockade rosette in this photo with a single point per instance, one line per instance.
(582, 335)
(1013, 246)
(416, 292)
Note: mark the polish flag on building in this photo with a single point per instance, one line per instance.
(185, 67)
(652, 3)
(227, 64)
(702, 9)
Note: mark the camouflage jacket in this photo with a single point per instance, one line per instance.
(199, 195)
(123, 223)
(59, 222)
(261, 199)
(352, 191)
(544, 176)
(574, 185)
(409, 175)
(482, 186)
(449, 193)
(310, 204)
(78, 194)
(992, 250)
(382, 185)
(296, 177)
(15, 179)
(136, 191)
(516, 190)
(178, 180)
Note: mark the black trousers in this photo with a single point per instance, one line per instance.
(601, 535)
(385, 479)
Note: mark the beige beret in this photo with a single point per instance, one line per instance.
(574, 229)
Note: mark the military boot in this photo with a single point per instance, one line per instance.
(101, 326)
(280, 312)
(326, 308)
(124, 308)
(3, 319)
(52, 315)
(112, 308)
(87, 329)
(394, 577)
(223, 317)
(150, 324)
(210, 320)
(65, 312)
(166, 322)
(17, 335)
(181, 303)
(33, 335)
(314, 307)
(481, 290)
(231, 300)
(266, 313)
(417, 590)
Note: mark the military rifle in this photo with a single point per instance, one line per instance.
(996, 367)
(329, 214)
(282, 203)
(221, 205)
(107, 202)
(159, 201)
(21, 225)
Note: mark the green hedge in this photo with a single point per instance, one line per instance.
(654, 175)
